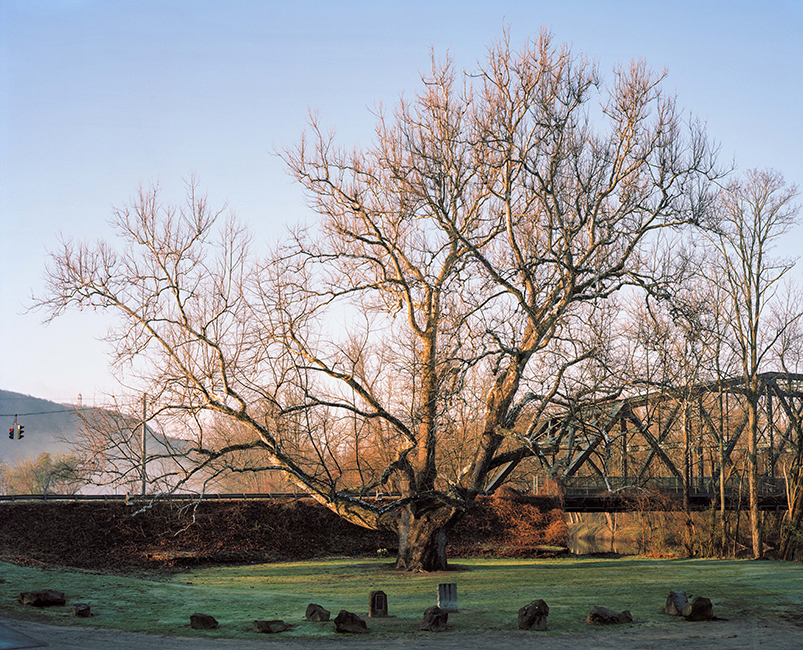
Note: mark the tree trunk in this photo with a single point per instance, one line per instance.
(752, 475)
(422, 536)
(794, 515)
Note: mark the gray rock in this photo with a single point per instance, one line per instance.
(317, 613)
(533, 616)
(270, 627)
(203, 622)
(699, 609)
(43, 598)
(82, 610)
(350, 623)
(604, 616)
(435, 619)
(675, 603)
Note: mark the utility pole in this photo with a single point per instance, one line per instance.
(143, 472)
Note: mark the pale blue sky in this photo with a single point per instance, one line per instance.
(97, 96)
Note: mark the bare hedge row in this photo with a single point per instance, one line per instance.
(105, 535)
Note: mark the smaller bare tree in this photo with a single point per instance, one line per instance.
(755, 213)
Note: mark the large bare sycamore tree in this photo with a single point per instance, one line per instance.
(474, 242)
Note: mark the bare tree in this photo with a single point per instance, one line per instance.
(675, 341)
(789, 357)
(120, 448)
(754, 214)
(474, 242)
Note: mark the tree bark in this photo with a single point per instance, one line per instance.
(794, 515)
(422, 536)
(752, 475)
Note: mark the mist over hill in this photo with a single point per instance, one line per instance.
(53, 428)
(49, 427)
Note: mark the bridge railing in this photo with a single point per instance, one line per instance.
(672, 486)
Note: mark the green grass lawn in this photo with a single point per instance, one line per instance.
(490, 592)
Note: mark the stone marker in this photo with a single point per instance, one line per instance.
(435, 619)
(203, 622)
(447, 597)
(378, 604)
(350, 623)
(43, 598)
(604, 616)
(316, 613)
(675, 603)
(270, 627)
(699, 609)
(533, 616)
(82, 610)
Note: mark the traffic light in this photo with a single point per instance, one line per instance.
(20, 427)
(11, 433)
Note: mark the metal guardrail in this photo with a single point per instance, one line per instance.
(580, 494)
(152, 497)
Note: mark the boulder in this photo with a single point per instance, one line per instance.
(699, 609)
(604, 616)
(435, 619)
(350, 623)
(203, 622)
(533, 616)
(270, 627)
(675, 603)
(316, 613)
(81, 610)
(43, 598)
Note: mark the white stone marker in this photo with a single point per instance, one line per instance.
(447, 596)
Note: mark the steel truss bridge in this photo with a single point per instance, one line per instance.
(682, 442)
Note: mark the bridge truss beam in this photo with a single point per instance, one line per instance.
(693, 435)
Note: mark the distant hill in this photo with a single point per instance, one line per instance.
(48, 426)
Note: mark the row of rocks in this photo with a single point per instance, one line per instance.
(435, 619)
(698, 609)
(346, 622)
(53, 598)
(530, 617)
(200, 621)
(534, 615)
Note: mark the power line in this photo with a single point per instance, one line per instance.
(8, 415)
